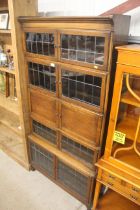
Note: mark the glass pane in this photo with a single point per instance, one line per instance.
(42, 158)
(79, 86)
(72, 88)
(81, 43)
(41, 79)
(65, 84)
(127, 149)
(99, 59)
(42, 76)
(45, 132)
(72, 55)
(40, 43)
(90, 43)
(64, 41)
(100, 41)
(77, 150)
(72, 179)
(36, 78)
(88, 49)
(90, 57)
(81, 56)
(72, 42)
(52, 79)
(64, 53)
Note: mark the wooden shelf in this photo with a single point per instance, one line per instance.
(9, 104)
(12, 144)
(5, 69)
(10, 119)
(129, 99)
(5, 31)
(128, 126)
(112, 200)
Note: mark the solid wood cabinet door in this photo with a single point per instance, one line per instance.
(82, 86)
(81, 123)
(41, 43)
(43, 107)
(86, 48)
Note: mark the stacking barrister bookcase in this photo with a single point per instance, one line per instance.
(68, 65)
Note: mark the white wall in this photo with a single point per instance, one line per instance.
(88, 8)
(135, 22)
(67, 7)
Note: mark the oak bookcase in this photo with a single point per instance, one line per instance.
(68, 66)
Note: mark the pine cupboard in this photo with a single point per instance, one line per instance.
(68, 66)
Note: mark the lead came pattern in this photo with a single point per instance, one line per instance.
(72, 179)
(77, 150)
(40, 43)
(47, 133)
(88, 49)
(42, 76)
(79, 86)
(42, 158)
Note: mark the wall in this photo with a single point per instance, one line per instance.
(88, 8)
(67, 7)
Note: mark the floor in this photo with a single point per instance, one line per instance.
(23, 190)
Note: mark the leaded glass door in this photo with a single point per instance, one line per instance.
(41, 43)
(84, 48)
(82, 86)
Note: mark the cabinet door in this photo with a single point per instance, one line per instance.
(81, 123)
(42, 74)
(40, 43)
(43, 107)
(86, 48)
(124, 126)
(82, 86)
(79, 151)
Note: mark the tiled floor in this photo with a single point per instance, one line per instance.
(23, 190)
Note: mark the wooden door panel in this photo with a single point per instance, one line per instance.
(79, 122)
(43, 107)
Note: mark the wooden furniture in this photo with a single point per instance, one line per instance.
(12, 110)
(119, 169)
(112, 200)
(68, 63)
